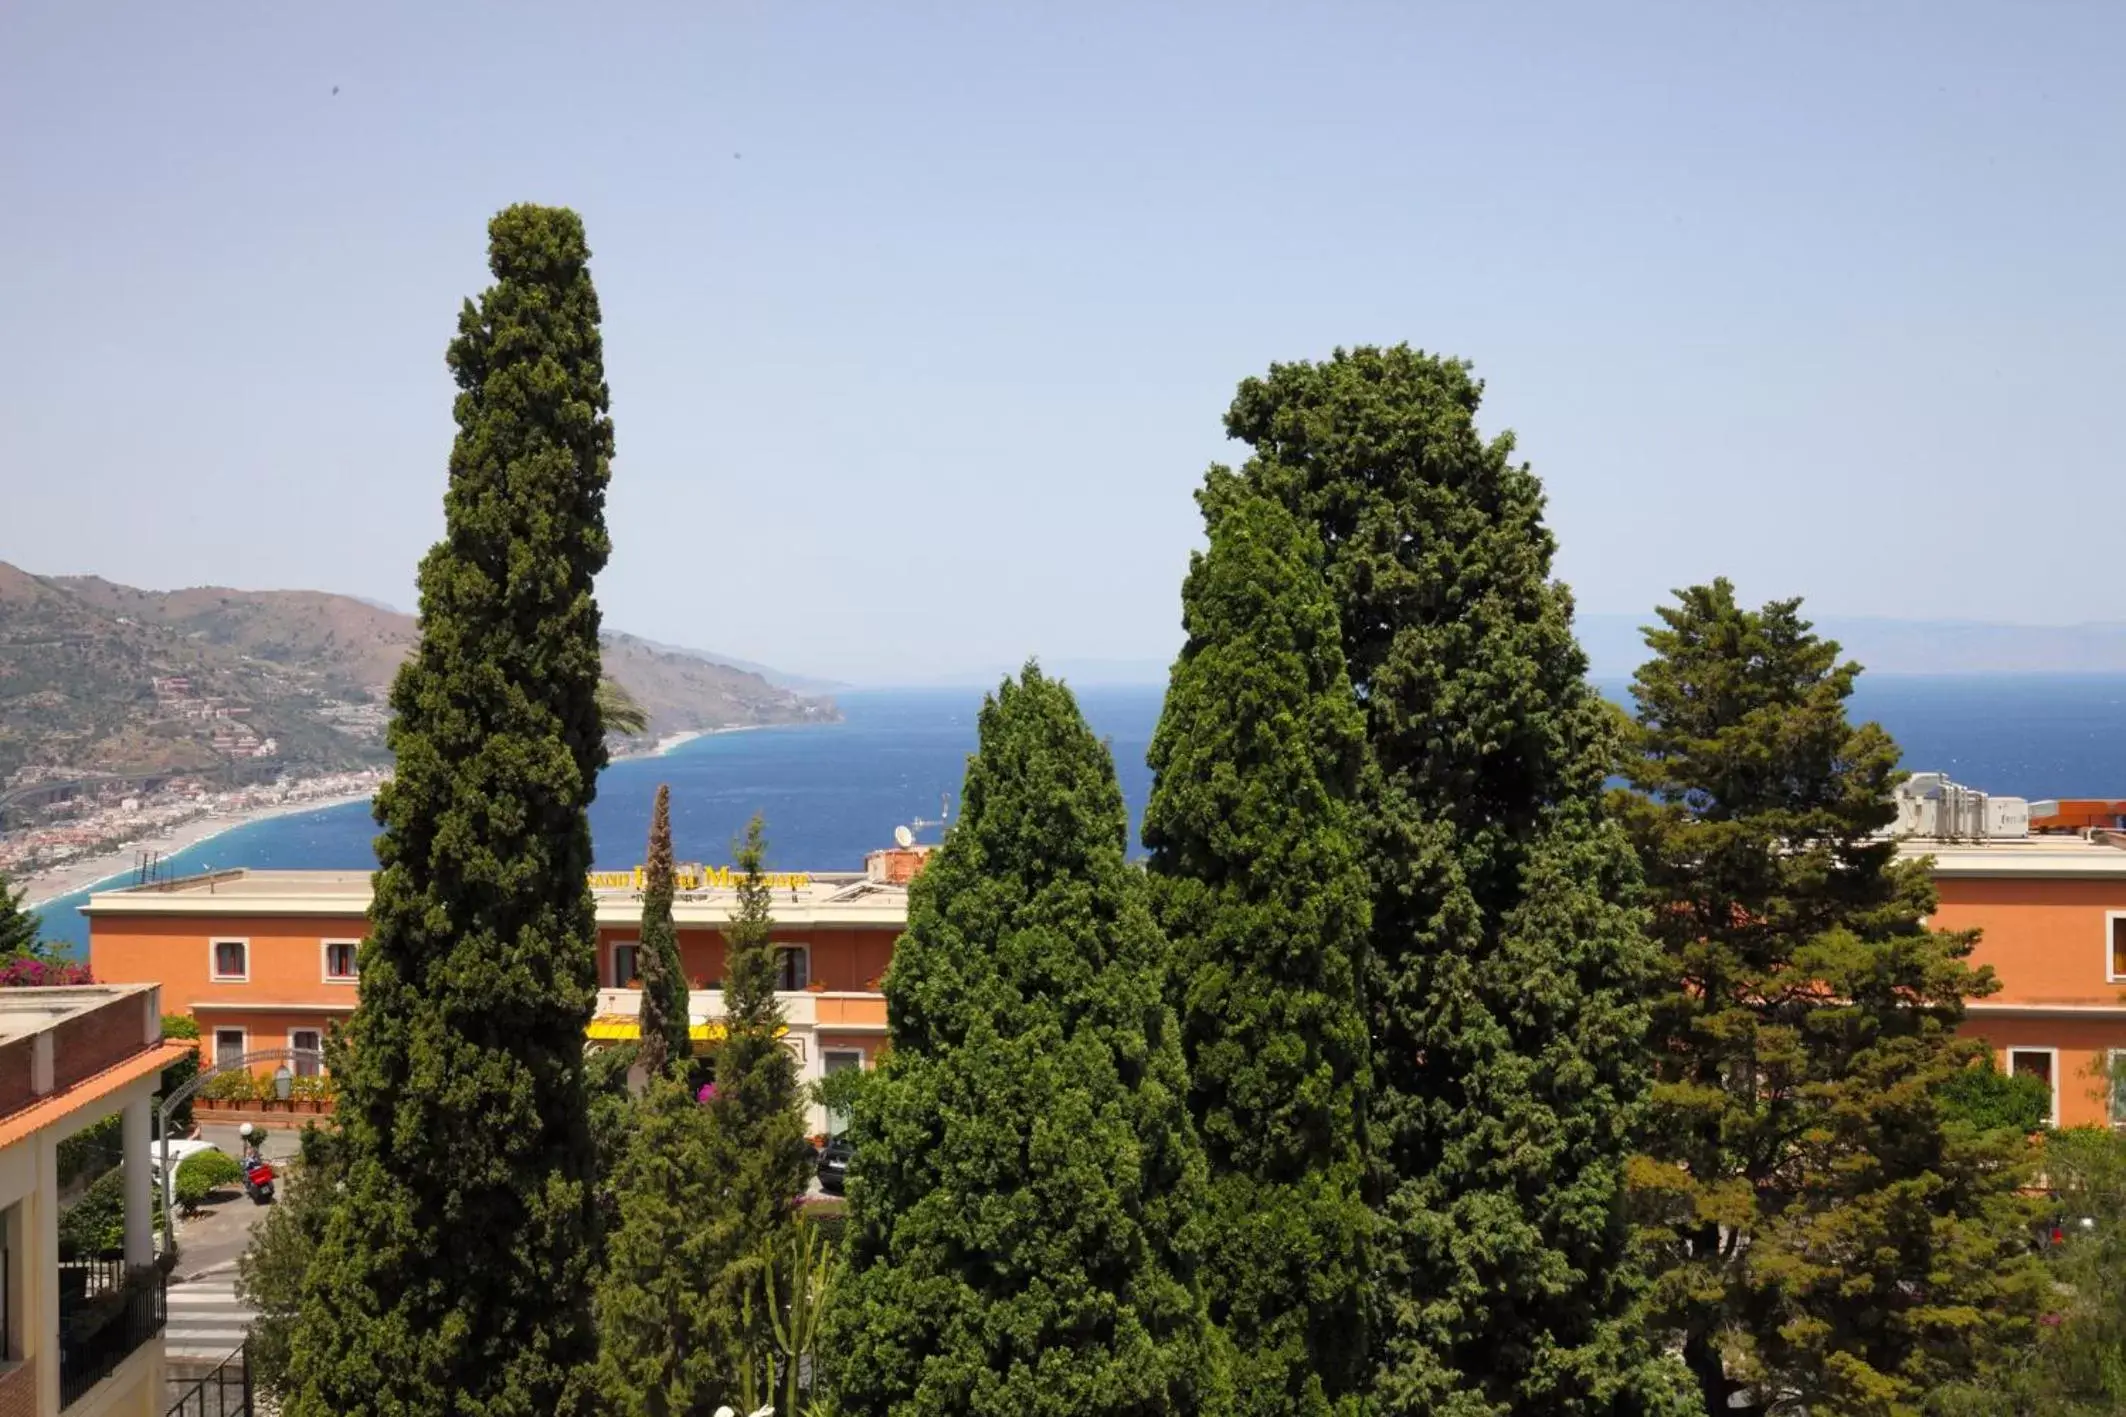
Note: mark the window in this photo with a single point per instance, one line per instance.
(306, 1041)
(626, 965)
(2115, 1076)
(2038, 1063)
(340, 964)
(228, 1045)
(2115, 947)
(793, 966)
(231, 961)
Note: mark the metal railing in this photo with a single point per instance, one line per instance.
(106, 1312)
(225, 1392)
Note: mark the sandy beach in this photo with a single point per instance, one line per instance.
(671, 742)
(47, 886)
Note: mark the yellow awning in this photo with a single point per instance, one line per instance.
(625, 1028)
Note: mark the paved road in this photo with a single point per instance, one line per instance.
(206, 1320)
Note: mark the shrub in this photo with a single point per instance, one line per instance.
(239, 1086)
(34, 972)
(95, 1224)
(201, 1173)
(180, 1026)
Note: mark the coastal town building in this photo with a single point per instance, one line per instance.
(80, 1333)
(272, 959)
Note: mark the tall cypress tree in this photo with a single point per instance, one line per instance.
(664, 1028)
(760, 1103)
(453, 1277)
(1507, 970)
(667, 1333)
(1026, 1204)
(1831, 1237)
(1262, 890)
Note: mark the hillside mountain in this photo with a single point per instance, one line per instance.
(101, 677)
(796, 683)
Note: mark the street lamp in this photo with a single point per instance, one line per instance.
(283, 1082)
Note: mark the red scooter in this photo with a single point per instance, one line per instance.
(258, 1180)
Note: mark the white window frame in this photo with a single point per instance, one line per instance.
(214, 973)
(242, 1033)
(612, 960)
(2111, 919)
(2008, 1062)
(324, 962)
(803, 949)
(295, 1065)
(2114, 1088)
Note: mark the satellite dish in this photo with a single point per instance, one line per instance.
(903, 837)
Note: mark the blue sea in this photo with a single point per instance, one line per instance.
(832, 792)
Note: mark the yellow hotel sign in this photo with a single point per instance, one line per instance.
(697, 878)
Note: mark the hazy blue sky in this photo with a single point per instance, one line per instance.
(921, 320)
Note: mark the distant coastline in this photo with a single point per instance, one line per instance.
(671, 743)
(44, 887)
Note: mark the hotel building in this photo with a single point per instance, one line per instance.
(272, 959)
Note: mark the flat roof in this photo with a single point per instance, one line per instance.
(814, 898)
(27, 1011)
(2039, 857)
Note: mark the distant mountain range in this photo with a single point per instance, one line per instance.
(101, 677)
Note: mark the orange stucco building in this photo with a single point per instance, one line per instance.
(272, 959)
(2051, 912)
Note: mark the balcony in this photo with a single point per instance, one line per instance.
(107, 1312)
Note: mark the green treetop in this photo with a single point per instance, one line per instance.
(1831, 1241)
(1507, 968)
(1028, 1198)
(18, 927)
(1262, 890)
(453, 1277)
(665, 1018)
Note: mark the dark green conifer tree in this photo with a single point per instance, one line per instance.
(760, 1102)
(1831, 1241)
(1027, 1204)
(664, 1028)
(667, 1334)
(1507, 967)
(1261, 887)
(453, 1277)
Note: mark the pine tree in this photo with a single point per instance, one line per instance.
(1262, 890)
(1026, 1209)
(454, 1275)
(667, 1331)
(1507, 969)
(760, 1102)
(1825, 1228)
(18, 926)
(665, 1018)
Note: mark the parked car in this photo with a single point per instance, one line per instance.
(834, 1159)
